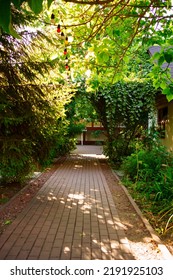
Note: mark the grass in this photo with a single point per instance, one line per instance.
(4, 200)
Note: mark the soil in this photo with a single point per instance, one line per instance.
(13, 198)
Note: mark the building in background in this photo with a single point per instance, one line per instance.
(93, 134)
(164, 110)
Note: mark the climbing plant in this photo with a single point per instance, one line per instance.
(123, 109)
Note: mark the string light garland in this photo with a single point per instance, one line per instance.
(65, 38)
(66, 41)
(66, 66)
(58, 28)
(52, 18)
(62, 35)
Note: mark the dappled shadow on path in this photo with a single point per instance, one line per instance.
(73, 216)
(86, 220)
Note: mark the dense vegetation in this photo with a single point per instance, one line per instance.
(149, 177)
(33, 127)
(75, 59)
(123, 110)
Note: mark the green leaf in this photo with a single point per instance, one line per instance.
(168, 57)
(13, 32)
(17, 3)
(161, 60)
(49, 2)
(103, 57)
(5, 15)
(156, 56)
(116, 32)
(36, 5)
(170, 41)
(7, 222)
(163, 85)
(166, 91)
(169, 97)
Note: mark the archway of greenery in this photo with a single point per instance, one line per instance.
(47, 55)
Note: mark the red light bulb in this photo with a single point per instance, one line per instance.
(58, 28)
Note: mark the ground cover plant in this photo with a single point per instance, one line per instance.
(149, 178)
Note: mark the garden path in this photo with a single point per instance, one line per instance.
(73, 216)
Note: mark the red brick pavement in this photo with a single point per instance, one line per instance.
(73, 216)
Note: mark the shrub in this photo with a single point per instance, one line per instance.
(32, 102)
(16, 161)
(151, 171)
(149, 177)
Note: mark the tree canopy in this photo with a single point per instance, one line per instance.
(105, 34)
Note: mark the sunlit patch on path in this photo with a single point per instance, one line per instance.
(73, 216)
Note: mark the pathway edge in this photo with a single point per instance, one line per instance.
(164, 250)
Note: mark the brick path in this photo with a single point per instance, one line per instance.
(73, 216)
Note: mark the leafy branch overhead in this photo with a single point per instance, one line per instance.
(5, 11)
(105, 34)
(102, 11)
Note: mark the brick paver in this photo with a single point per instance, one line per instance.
(73, 216)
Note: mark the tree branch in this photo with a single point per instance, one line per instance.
(94, 2)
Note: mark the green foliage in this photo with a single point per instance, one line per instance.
(74, 127)
(66, 145)
(149, 178)
(5, 14)
(152, 172)
(96, 133)
(36, 6)
(7, 222)
(123, 109)
(4, 200)
(32, 103)
(150, 168)
(106, 37)
(161, 71)
(16, 161)
(79, 111)
(84, 109)
(6, 21)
